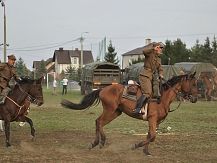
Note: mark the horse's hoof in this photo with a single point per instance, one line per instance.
(33, 138)
(8, 145)
(101, 146)
(146, 152)
(134, 146)
(90, 146)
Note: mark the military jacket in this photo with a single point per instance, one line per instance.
(152, 62)
(6, 73)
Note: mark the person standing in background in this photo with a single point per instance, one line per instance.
(54, 86)
(65, 84)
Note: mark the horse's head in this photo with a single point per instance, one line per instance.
(189, 87)
(33, 90)
(185, 84)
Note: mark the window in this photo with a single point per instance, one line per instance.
(74, 60)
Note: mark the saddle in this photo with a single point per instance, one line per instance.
(131, 90)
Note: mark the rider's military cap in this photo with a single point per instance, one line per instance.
(12, 57)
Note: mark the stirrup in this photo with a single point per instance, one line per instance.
(137, 110)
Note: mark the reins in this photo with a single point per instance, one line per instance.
(176, 107)
(176, 91)
(20, 107)
(29, 98)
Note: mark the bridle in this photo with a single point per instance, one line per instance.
(187, 95)
(29, 98)
(180, 93)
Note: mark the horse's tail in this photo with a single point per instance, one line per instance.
(89, 100)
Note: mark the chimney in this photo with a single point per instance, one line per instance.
(147, 41)
(76, 49)
(61, 49)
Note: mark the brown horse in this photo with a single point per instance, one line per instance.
(209, 86)
(17, 103)
(114, 104)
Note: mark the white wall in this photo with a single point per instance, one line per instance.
(128, 58)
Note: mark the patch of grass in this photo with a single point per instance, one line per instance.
(188, 118)
(62, 135)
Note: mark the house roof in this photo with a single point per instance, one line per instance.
(137, 51)
(63, 56)
(49, 60)
(51, 68)
(36, 64)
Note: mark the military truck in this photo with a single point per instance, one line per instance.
(132, 72)
(99, 74)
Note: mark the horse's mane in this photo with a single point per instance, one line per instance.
(25, 80)
(173, 81)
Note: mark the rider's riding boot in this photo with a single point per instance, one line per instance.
(140, 103)
(158, 99)
(3, 94)
(2, 99)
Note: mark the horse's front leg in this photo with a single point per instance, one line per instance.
(96, 141)
(150, 137)
(7, 133)
(29, 121)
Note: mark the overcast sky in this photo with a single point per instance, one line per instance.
(36, 28)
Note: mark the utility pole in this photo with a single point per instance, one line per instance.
(104, 44)
(5, 42)
(82, 55)
(81, 63)
(81, 41)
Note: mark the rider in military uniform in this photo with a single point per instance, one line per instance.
(151, 72)
(7, 71)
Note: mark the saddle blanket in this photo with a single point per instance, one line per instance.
(144, 112)
(128, 96)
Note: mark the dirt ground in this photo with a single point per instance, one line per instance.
(72, 146)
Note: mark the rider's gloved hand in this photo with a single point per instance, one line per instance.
(161, 76)
(18, 79)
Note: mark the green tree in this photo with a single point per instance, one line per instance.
(72, 73)
(205, 52)
(42, 69)
(214, 45)
(207, 47)
(197, 52)
(62, 74)
(179, 52)
(214, 51)
(21, 68)
(111, 55)
(174, 52)
(167, 53)
(134, 61)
